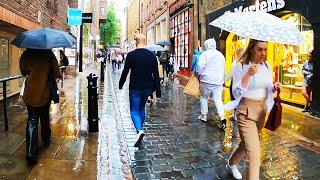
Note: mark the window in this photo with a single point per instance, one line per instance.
(179, 31)
(4, 60)
(4, 57)
(102, 10)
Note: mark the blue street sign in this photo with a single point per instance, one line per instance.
(74, 17)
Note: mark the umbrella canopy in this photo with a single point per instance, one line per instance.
(154, 47)
(260, 26)
(44, 38)
(164, 43)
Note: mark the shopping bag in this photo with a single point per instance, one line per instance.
(160, 69)
(22, 88)
(193, 87)
(274, 119)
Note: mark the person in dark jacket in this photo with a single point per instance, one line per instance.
(307, 71)
(144, 76)
(36, 64)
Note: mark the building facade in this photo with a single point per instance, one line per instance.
(19, 16)
(134, 13)
(201, 8)
(102, 11)
(155, 20)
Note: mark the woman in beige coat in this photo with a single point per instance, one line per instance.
(254, 88)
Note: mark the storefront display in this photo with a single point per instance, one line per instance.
(290, 60)
(4, 57)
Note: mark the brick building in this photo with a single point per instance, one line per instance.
(134, 14)
(155, 20)
(181, 33)
(17, 16)
(201, 8)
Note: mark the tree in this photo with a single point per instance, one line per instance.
(110, 31)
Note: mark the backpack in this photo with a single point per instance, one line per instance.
(163, 57)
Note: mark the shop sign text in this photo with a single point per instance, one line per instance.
(264, 6)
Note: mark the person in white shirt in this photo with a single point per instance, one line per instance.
(210, 70)
(170, 65)
(253, 88)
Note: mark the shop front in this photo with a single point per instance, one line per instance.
(286, 60)
(10, 26)
(181, 35)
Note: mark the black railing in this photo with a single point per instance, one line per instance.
(4, 83)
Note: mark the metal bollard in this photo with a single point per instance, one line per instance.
(102, 70)
(93, 119)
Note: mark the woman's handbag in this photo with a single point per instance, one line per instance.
(274, 119)
(193, 86)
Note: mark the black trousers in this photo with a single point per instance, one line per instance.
(36, 113)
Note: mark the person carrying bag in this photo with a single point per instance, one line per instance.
(42, 68)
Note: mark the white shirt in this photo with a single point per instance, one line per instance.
(260, 85)
(211, 67)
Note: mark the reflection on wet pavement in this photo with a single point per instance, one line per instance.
(72, 153)
(177, 145)
(113, 161)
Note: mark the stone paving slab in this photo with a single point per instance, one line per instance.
(177, 145)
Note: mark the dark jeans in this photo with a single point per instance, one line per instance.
(138, 101)
(170, 69)
(114, 64)
(34, 114)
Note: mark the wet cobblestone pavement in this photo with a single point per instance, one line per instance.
(176, 145)
(72, 153)
(179, 146)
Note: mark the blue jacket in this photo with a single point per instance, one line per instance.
(195, 60)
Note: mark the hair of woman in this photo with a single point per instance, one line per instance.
(247, 55)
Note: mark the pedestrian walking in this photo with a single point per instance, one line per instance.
(63, 63)
(195, 60)
(210, 70)
(254, 87)
(171, 63)
(307, 71)
(144, 76)
(119, 61)
(114, 60)
(39, 66)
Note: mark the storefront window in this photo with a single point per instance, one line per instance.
(179, 32)
(290, 60)
(4, 57)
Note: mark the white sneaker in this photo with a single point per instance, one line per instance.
(234, 171)
(140, 136)
(203, 118)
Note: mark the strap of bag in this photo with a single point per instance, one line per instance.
(51, 72)
(278, 92)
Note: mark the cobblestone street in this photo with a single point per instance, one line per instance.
(177, 145)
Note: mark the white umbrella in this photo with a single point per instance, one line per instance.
(260, 26)
(154, 47)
